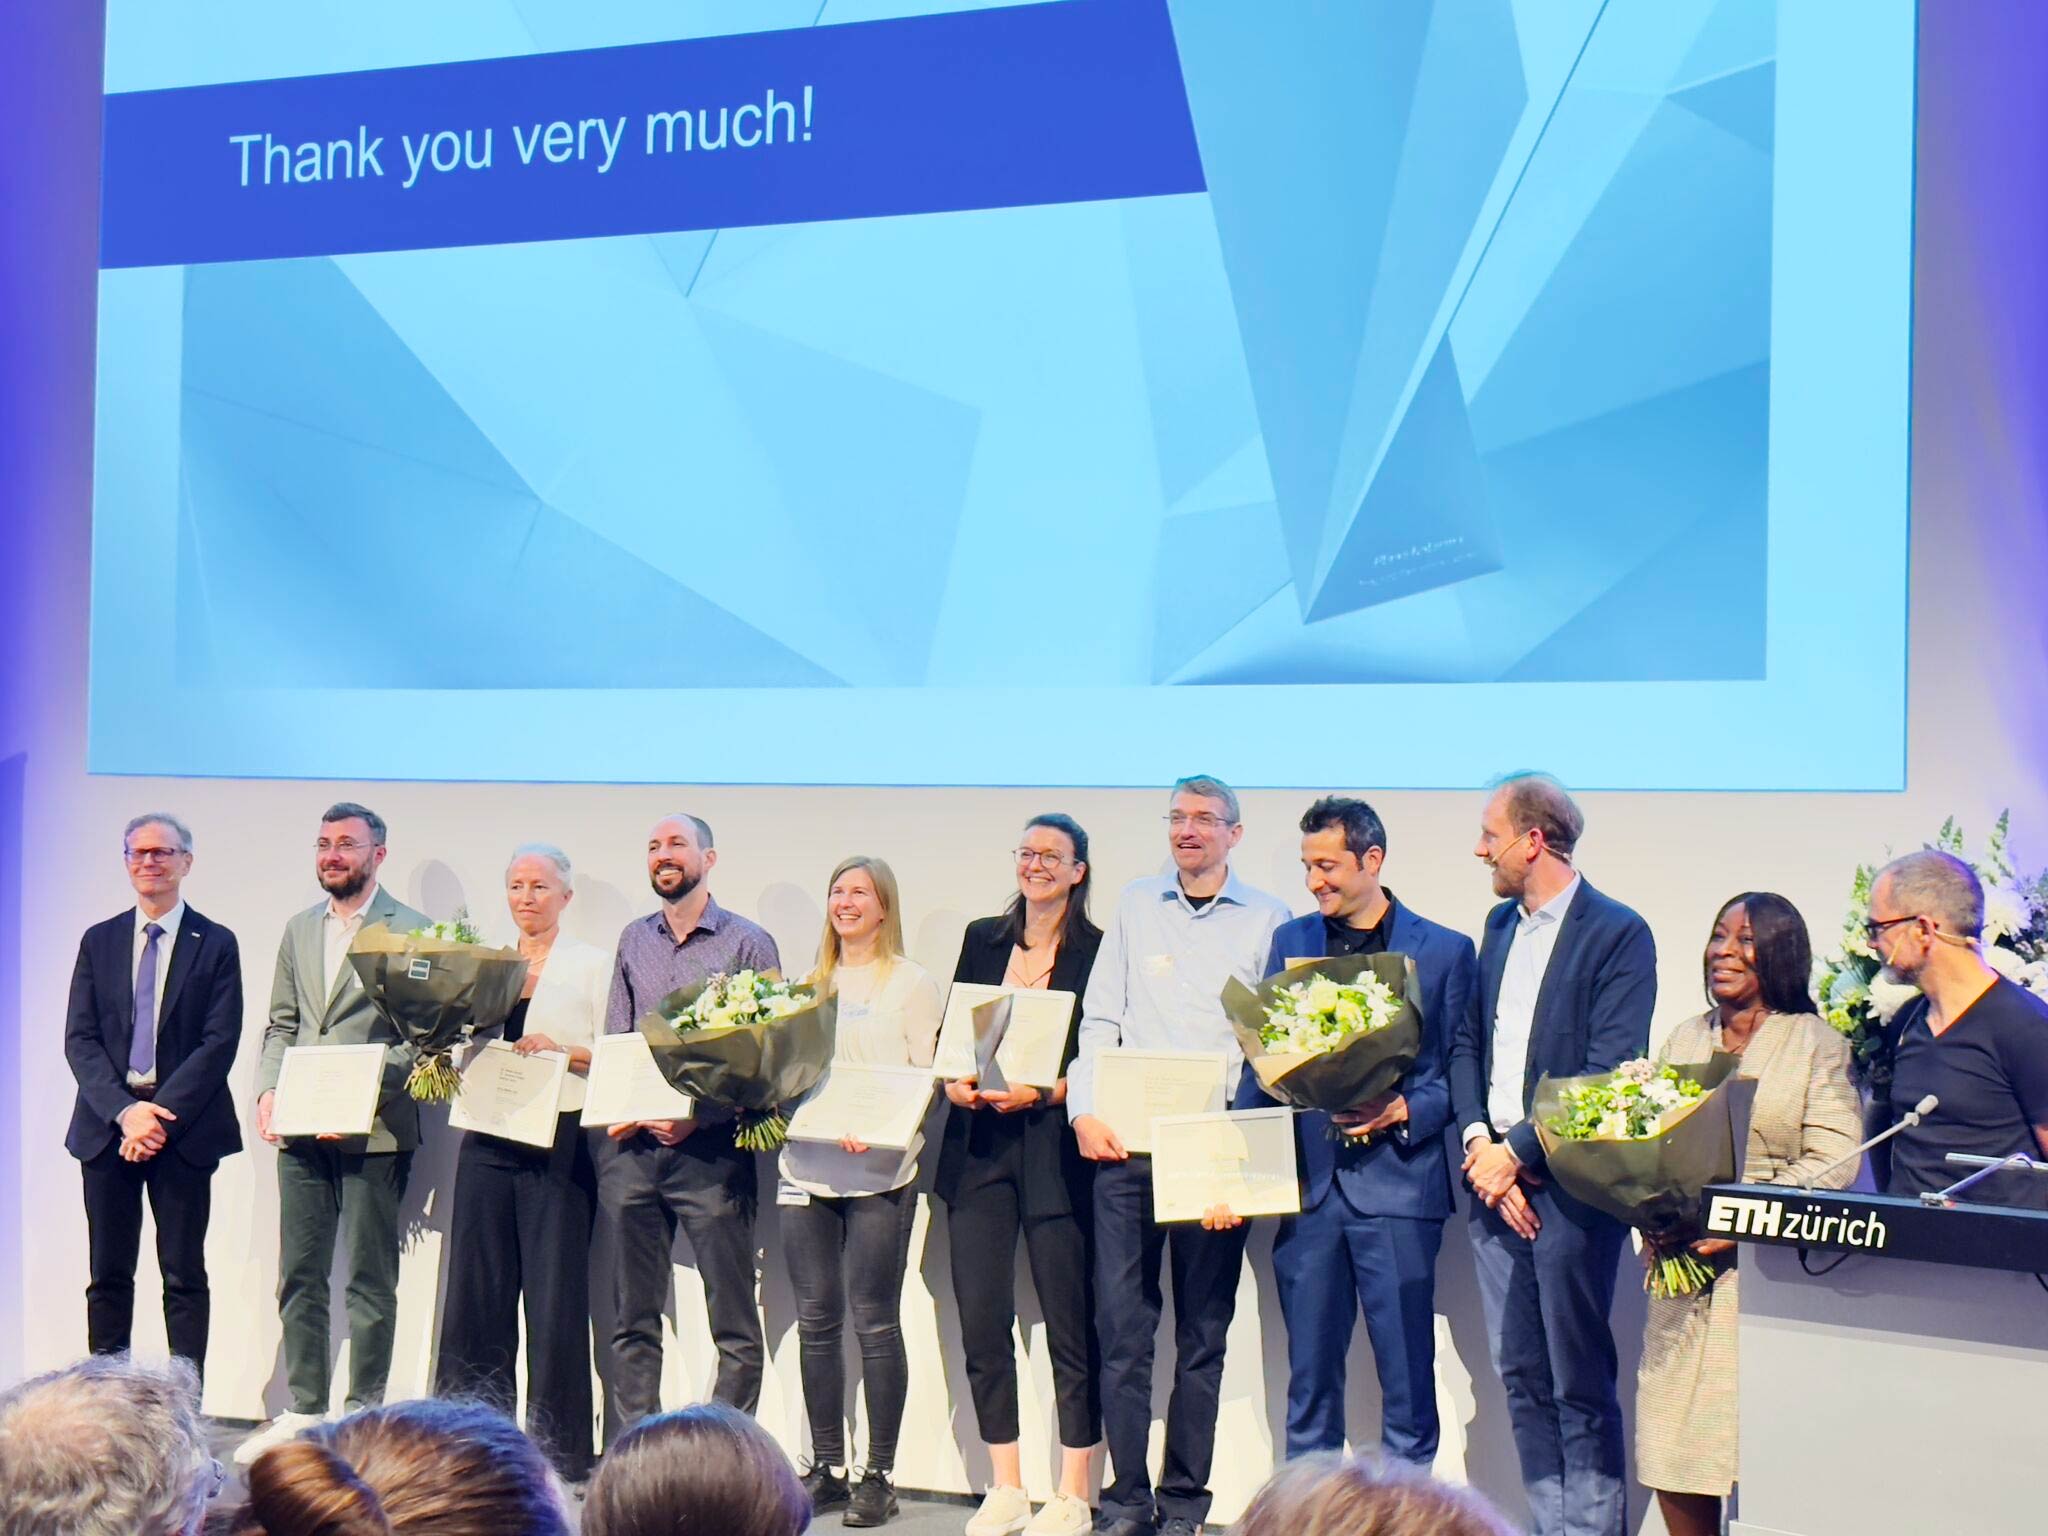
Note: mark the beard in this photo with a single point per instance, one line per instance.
(689, 883)
(345, 886)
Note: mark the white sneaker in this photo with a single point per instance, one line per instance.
(286, 1426)
(1003, 1511)
(1062, 1515)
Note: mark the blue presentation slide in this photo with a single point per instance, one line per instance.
(1082, 392)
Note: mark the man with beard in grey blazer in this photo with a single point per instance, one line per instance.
(352, 1184)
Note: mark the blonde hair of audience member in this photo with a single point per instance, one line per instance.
(888, 941)
(706, 1470)
(1339, 1496)
(406, 1469)
(106, 1447)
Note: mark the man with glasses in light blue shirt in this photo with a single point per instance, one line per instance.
(1157, 985)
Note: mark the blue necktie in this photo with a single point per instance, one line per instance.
(142, 1048)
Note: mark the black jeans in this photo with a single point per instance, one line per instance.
(1205, 1268)
(181, 1198)
(849, 1255)
(522, 1224)
(984, 1221)
(644, 1189)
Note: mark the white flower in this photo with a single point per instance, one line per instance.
(2005, 913)
(1888, 997)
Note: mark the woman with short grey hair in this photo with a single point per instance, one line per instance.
(106, 1447)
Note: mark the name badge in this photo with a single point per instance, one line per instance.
(1159, 965)
(787, 1193)
(419, 969)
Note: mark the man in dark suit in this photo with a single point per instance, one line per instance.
(155, 1014)
(1567, 980)
(1373, 1200)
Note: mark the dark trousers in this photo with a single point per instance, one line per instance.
(180, 1198)
(645, 1190)
(521, 1227)
(320, 1190)
(1546, 1318)
(1329, 1262)
(984, 1221)
(1205, 1267)
(849, 1255)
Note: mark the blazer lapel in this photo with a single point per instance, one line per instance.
(379, 910)
(120, 960)
(1570, 935)
(184, 955)
(311, 964)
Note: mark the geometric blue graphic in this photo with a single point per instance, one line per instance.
(1508, 345)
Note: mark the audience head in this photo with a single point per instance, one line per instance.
(1334, 1496)
(708, 1470)
(538, 885)
(106, 1447)
(861, 909)
(421, 1468)
(1527, 834)
(1052, 865)
(1922, 905)
(1343, 843)
(1202, 824)
(158, 851)
(1759, 952)
(679, 855)
(349, 850)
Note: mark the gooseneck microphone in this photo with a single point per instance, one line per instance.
(1909, 1119)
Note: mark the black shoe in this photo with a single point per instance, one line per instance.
(1179, 1526)
(1122, 1525)
(827, 1489)
(873, 1501)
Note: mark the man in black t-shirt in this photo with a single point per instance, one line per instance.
(1974, 1040)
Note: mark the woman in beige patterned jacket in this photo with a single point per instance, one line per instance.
(1806, 1115)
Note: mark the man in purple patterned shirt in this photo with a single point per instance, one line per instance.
(654, 1174)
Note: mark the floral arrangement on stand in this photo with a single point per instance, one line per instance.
(1856, 999)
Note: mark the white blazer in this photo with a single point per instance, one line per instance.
(568, 1005)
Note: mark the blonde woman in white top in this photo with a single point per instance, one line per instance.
(522, 1217)
(847, 1239)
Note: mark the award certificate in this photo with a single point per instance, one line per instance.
(1134, 1088)
(506, 1094)
(1243, 1160)
(327, 1090)
(880, 1106)
(1030, 1042)
(625, 1084)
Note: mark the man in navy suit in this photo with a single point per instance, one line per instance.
(1373, 1200)
(155, 1015)
(1567, 979)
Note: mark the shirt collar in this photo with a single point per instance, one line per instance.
(360, 914)
(1386, 923)
(710, 920)
(169, 922)
(1553, 910)
(1233, 891)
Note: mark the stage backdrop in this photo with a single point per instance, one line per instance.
(898, 369)
(1979, 739)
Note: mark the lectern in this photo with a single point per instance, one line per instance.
(1894, 1364)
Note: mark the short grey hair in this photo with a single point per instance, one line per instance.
(1209, 787)
(107, 1447)
(348, 810)
(702, 826)
(1934, 884)
(1535, 802)
(552, 854)
(158, 819)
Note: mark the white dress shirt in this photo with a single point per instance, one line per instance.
(336, 934)
(568, 1006)
(1514, 1015)
(169, 924)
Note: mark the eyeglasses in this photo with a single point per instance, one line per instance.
(339, 845)
(1205, 820)
(1026, 857)
(151, 855)
(1874, 928)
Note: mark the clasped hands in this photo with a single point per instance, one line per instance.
(143, 1131)
(1497, 1176)
(1007, 1101)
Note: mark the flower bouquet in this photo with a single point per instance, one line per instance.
(436, 986)
(749, 1041)
(1858, 1002)
(1330, 1034)
(1641, 1143)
